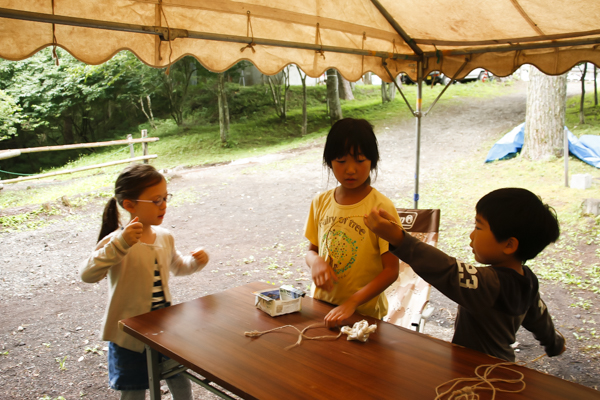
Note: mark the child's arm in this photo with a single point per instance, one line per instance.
(187, 265)
(473, 288)
(110, 251)
(386, 277)
(322, 274)
(200, 256)
(379, 222)
(539, 322)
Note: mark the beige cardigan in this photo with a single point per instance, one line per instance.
(130, 273)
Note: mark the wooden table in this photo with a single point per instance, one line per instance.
(206, 335)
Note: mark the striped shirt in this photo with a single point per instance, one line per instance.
(158, 295)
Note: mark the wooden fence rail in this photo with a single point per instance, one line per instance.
(79, 146)
(129, 141)
(70, 171)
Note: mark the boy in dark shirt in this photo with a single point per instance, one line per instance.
(512, 225)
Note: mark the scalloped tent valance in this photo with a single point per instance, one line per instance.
(353, 36)
(386, 37)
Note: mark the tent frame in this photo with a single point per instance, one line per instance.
(166, 33)
(421, 57)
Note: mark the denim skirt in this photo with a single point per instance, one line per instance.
(127, 370)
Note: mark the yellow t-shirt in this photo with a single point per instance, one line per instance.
(355, 251)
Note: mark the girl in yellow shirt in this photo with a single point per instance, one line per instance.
(350, 265)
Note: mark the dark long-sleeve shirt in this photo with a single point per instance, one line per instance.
(493, 302)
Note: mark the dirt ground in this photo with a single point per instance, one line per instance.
(249, 215)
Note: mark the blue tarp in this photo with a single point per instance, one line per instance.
(509, 146)
(586, 148)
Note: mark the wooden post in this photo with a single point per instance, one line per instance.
(145, 144)
(131, 151)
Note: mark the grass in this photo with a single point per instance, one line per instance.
(196, 143)
(454, 191)
(591, 112)
(573, 260)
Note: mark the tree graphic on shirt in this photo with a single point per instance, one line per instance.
(340, 245)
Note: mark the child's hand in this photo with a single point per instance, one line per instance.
(133, 231)
(200, 256)
(323, 275)
(564, 348)
(379, 222)
(339, 314)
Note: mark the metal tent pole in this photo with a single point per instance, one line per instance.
(166, 33)
(418, 115)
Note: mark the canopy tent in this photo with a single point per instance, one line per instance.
(386, 37)
(354, 35)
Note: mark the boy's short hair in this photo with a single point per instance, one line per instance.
(518, 213)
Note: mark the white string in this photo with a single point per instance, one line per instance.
(483, 382)
(469, 392)
(360, 331)
(301, 333)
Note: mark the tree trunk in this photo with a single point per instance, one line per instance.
(545, 116)
(595, 86)
(149, 117)
(367, 79)
(275, 84)
(68, 131)
(344, 88)
(286, 89)
(150, 111)
(333, 96)
(582, 101)
(304, 100)
(176, 87)
(274, 96)
(391, 91)
(385, 92)
(223, 109)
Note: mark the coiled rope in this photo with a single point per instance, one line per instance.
(484, 381)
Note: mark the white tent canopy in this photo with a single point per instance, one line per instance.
(386, 37)
(353, 36)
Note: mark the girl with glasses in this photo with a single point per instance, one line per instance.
(137, 259)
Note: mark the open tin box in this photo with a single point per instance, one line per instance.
(285, 300)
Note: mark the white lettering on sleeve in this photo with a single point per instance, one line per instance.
(469, 282)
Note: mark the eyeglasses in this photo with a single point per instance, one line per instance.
(159, 201)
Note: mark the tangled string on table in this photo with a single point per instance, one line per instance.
(301, 336)
(470, 392)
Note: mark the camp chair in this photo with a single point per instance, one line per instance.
(408, 297)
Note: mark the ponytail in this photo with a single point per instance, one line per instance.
(132, 181)
(110, 218)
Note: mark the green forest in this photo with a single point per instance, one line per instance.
(52, 99)
(49, 100)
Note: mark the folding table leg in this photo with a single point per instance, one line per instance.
(153, 373)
